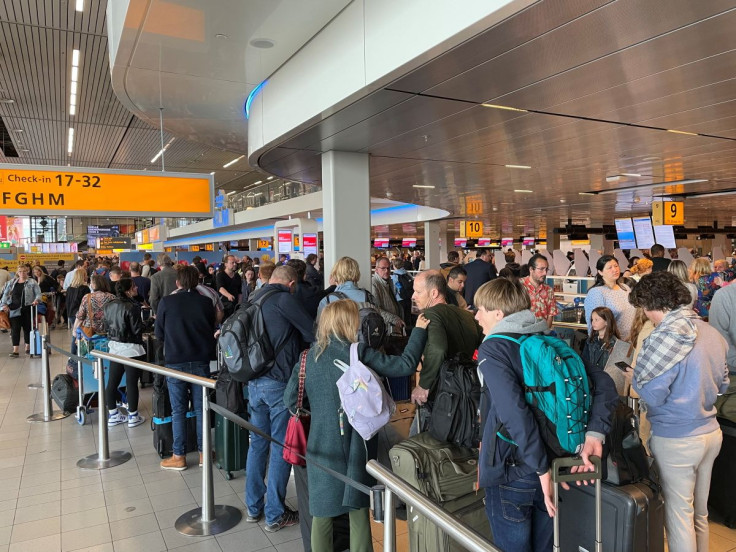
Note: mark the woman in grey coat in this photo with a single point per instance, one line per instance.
(19, 294)
(348, 453)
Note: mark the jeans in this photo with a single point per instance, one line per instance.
(179, 396)
(269, 414)
(518, 516)
(685, 465)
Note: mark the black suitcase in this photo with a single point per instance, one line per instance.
(163, 435)
(722, 497)
(231, 446)
(633, 514)
(160, 403)
(64, 393)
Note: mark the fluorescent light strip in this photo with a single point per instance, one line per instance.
(683, 132)
(505, 107)
(427, 186)
(80, 5)
(226, 165)
(75, 58)
(75, 73)
(524, 191)
(160, 153)
(70, 141)
(648, 186)
(635, 175)
(74, 76)
(711, 194)
(270, 178)
(257, 182)
(517, 166)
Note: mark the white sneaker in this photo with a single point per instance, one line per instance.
(135, 420)
(116, 419)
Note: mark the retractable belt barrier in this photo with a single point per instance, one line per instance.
(48, 414)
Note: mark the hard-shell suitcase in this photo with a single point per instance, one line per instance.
(35, 335)
(64, 393)
(231, 446)
(633, 514)
(446, 474)
(722, 497)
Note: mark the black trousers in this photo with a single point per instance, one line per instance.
(132, 376)
(18, 323)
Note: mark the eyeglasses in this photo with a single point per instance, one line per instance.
(541, 268)
(381, 268)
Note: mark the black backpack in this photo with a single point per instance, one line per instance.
(406, 288)
(246, 349)
(455, 409)
(228, 392)
(626, 458)
(372, 326)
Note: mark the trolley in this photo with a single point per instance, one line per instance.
(87, 383)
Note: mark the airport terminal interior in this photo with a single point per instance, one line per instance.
(361, 128)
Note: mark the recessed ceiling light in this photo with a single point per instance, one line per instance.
(212, 173)
(270, 178)
(427, 186)
(18, 130)
(614, 178)
(505, 107)
(649, 186)
(258, 182)
(517, 166)
(683, 132)
(585, 193)
(263, 43)
(221, 36)
(75, 58)
(7, 101)
(80, 5)
(226, 165)
(524, 191)
(25, 150)
(635, 175)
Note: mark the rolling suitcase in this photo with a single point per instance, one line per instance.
(64, 393)
(163, 434)
(231, 446)
(35, 335)
(447, 474)
(722, 497)
(634, 515)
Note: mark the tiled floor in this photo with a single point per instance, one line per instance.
(47, 504)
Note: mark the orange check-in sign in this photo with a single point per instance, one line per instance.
(29, 190)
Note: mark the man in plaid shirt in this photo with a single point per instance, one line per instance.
(542, 296)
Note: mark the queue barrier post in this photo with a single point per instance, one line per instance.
(104, 458)
(209, 519)
(48, 414)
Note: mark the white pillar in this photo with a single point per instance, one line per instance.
(346, 207)
(432, 258)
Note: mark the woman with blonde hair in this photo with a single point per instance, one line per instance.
(345, 275)
(679, 269)
(708, 282)
(335, 445)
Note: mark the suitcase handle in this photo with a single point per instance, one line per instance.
(558, 477)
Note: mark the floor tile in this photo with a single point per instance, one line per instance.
(171, 500)
(135, 492)
(150, 542)
(243, 541)
(209, 545)
(82, 520)
(75, 504)
(129, 508)
(38, 511)
(35, 529)
(50, 543)
(85, 538)
(134, 526)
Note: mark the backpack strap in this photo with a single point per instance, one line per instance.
(503, 336)
(259, 301)
(354, 354)
(338, 294)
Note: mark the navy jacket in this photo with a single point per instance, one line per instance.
(500, 364)
(479, 272)
(185, 321)
(289, 329)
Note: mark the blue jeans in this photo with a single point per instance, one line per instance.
(518, 516)
(269, 414)
(179, 396)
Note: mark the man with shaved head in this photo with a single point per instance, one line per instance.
(452, 330)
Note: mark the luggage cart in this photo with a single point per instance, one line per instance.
(88, 384)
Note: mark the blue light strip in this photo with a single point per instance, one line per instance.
(252, 96)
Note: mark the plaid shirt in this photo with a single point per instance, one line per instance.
(669, 343)
(542, 298)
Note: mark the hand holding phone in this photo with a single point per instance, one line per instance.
(623, 366)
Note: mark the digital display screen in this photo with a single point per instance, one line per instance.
(625, 233)
(380, 243)
(507, 242)
(309, 241)
(528, 242)
(665, 236)
(644, 233)
(461, 242)
(284, 241)
(483, 242)
(409, 242)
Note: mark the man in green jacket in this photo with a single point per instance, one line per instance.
(452, 330)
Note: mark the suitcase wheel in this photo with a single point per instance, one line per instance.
(81, 416)
(228, 476)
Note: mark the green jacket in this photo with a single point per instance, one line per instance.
(451, 330)
(346, 454)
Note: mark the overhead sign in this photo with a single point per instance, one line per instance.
(44, 257)
(48, 191)
(474, 205)
(296, 242)
(109, 242)
(264, 244)
(668, 212)
(473, 229)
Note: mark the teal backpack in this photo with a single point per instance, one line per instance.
(556, 387)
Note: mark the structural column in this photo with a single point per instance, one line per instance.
(346, 206)
(432, 258)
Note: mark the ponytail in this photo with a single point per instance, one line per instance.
(122, 287)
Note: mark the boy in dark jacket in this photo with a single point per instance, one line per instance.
(516, 476)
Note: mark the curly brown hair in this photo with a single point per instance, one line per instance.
(660, 291)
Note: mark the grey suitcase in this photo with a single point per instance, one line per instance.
(633, 517)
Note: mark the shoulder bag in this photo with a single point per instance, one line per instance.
(297, 430)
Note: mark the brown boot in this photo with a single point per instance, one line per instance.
(174, 462)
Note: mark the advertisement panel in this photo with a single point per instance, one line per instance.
(284, 240)
(309, 242)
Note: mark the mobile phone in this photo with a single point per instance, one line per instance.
(621, 365)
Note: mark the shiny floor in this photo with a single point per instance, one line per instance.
(48, 504)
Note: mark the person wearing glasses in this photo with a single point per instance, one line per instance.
(541, 295)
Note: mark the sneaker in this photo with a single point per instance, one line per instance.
(289, 518)
(201, 463)
(116, 419)
(254, 519)
(135, 420)
(121, 404)
(13, 355)
(174, 462)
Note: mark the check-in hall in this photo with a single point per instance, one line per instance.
(411, 158)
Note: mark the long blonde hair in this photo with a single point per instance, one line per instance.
(699, 267)
(338, 320)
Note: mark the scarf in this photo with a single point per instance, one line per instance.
(669, 343)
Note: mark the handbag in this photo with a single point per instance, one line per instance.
(297, 430)
(89, 331)
(4, 320)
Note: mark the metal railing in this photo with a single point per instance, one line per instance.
(209, 519)
(394, 486)
(48, 414)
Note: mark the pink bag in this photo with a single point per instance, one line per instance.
(297, 430)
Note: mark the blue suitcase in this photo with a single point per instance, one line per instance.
(35, 335)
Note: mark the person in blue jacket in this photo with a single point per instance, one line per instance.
(516, 476)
